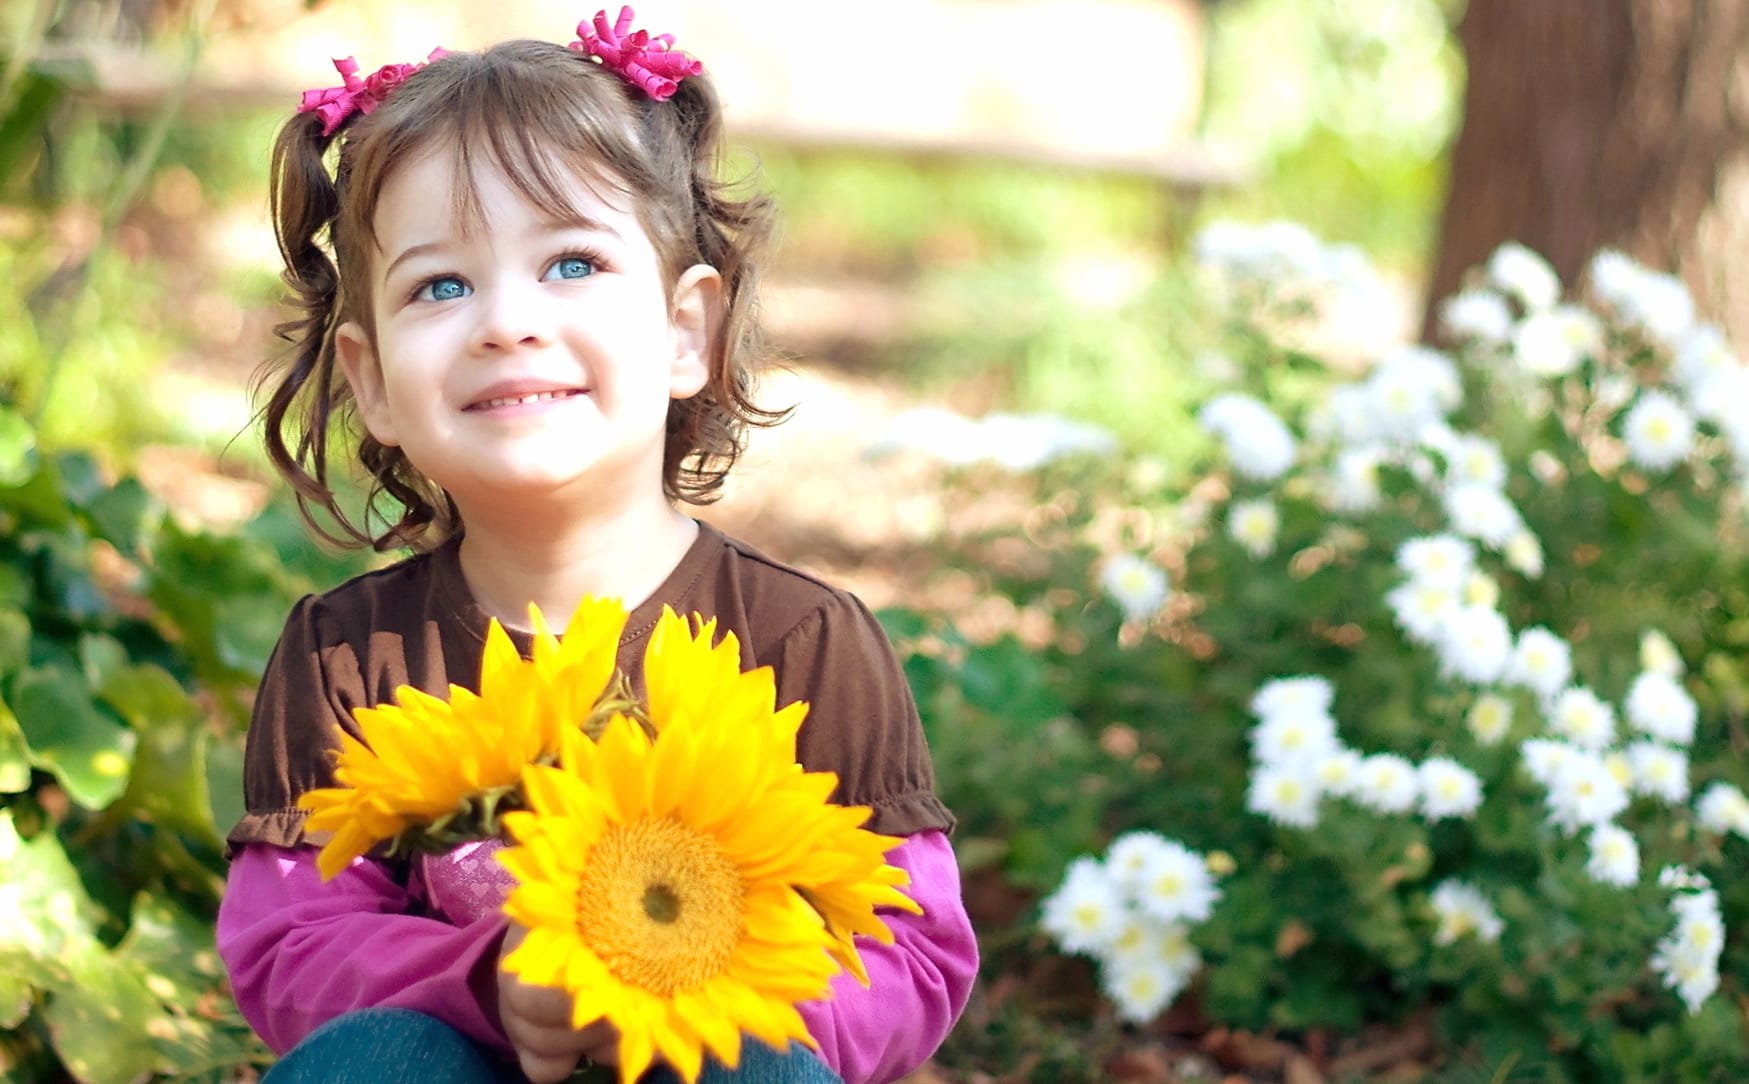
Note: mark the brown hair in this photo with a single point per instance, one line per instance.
(525, 105)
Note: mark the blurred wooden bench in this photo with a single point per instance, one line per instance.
(124, 80)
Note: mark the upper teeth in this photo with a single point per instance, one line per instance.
(531, 397)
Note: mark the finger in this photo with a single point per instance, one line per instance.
(546, 1068)
(541, 1006)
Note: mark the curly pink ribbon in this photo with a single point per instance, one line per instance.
(335, 104)
(645, 61)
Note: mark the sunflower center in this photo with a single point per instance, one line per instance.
(661, 905)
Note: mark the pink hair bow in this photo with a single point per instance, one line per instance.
(356, 95)
(649, 62)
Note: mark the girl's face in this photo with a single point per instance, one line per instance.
(524, 359)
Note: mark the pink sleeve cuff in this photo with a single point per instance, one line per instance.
(918, 985)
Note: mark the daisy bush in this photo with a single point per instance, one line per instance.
(1439, 648)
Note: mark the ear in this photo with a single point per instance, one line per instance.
(696, 315)
(358, 359)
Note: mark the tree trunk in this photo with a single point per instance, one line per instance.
(1593, 124)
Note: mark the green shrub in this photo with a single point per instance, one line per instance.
(1311, 707)
(128, 649)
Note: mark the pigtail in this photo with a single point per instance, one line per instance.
(731, 224)
(304, 393)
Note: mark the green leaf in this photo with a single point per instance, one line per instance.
(173, 949)
(246, 630)
(168, 784)
(46, 906)
(120, 514)
(224, 780)
(16, 991)
(38, 501)
(101, 656)
(14, 754)
(81, 477)
(101, 1024)
(14, 639)
(89, 752)
(18, 457)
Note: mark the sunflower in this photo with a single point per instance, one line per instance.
(695, 885)
(434, 772)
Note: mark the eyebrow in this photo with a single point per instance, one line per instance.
(581, 223)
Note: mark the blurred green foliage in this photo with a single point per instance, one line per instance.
(129, 647)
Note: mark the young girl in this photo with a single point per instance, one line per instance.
(538, 307)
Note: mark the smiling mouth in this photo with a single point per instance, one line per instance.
(524, 400)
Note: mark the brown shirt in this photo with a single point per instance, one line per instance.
(415, 623)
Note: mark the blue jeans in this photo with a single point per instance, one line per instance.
(400, 1046)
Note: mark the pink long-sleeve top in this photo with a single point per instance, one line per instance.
(302, 951)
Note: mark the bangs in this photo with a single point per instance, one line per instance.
(541, 148)
(537, 113)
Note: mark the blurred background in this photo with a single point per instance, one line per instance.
(993, 217)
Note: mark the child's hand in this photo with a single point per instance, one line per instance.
(537, 1020)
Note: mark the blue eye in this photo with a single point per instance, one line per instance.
(447, 288)
(570, 267)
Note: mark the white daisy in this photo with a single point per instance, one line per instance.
(1475, 460)
(1257, 441)
(1578, 715)
(1522, 273)
(1422, 609)
(1474, 644)
(1658, 705)
(1659, 655)
(1476, 315)
(1141, 989)
(1543, 758)
(1614, 857)
(1659, 431)
(1087, 909)
(1354, 479)
(1554, 343)
(1480, 590)
(1722, 808)
(1489, 719)
(1524, 554)
(1131, 856)
(1442, 559)
(1137, 585)
(1338, 772)
(1484, 513)
(1285, 793)
(1541, 662)
(1705, 357)
(1688, 956)
(1176, 886)
(1657, 303)
(1448, 789)
(1584, 792)
(1463, 912)
(1306, 693)
(1254, 524)
(1297, 737)
(1659, 771)
(1387, 784)
(1399, 404)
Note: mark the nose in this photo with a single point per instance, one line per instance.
(510, 315)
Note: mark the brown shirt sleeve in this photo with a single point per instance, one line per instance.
(862, 721)
(303, 701)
